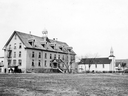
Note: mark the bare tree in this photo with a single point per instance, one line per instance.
(92, 60)
(123, 65)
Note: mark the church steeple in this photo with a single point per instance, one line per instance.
(111, 52)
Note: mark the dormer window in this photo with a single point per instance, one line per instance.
(31, 42)
(43, 45)
(52, 47)
(61, 48)
(69, 50)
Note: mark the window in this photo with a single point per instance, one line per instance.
(103, 65)
(14, 62)
(43, 45)
(20, 46)
(14, 45)
(55, 56)
(31, 43)
(39, 63)
(32, 54)
(45, 63)
(45, 55)
(95, 65)
(9, 62)
(63, 57)
(39, 54)
(20, 62)
(50, 56)
(52, 47)
(61, 48)
(19, 53)
(58, 56)
(9, 47)
(32, 63)
(14, 54)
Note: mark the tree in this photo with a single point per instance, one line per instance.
(92, 60)
(123, 65)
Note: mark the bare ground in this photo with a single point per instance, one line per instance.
(63, 85)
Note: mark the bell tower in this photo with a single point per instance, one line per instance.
(112, 58)
(111, 52)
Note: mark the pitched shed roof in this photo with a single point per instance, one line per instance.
(95, 61)
(24, 37)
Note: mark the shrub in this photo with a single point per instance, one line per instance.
(88, 71)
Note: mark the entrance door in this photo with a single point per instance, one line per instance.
(55, 65)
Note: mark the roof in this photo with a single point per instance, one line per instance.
(95, 61)
(24, 37)
(57, 61)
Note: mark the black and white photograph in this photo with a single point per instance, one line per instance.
(64, 48)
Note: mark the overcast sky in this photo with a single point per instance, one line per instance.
(90, 26)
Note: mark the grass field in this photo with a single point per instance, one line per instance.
(63, 85)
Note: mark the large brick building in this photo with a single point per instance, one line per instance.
(37, 54)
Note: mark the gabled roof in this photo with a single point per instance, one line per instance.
(38, 41)
(57, 61)
(95, 61)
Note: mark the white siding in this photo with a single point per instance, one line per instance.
(12, 42)
(85, 67)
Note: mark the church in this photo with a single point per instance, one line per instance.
(38, 54)
(105, 64)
